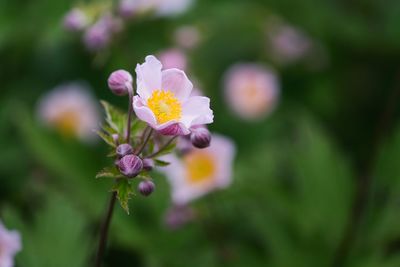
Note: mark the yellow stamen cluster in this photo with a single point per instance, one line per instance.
(67, 123)
(200, 167)
(165, 106)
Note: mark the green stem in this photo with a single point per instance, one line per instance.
(162, 148)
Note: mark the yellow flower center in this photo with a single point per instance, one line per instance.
(67, 123)
(200, 167)
(165, 106)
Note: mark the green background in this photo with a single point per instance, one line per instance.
(315, 184)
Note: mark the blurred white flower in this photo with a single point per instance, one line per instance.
(10, 244)
(128, 8)
(71, 109)
(251, 90)
(200, 171)
(173, 58)
(172, 7)
(286, 43)
(187, 37)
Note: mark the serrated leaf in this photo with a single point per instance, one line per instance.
(112, 154)
(108, 172)
(106, 138)
(124, 190)
(115, 118)
(161, 163)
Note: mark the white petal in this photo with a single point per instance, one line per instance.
(176, 81)
(196, 111)
(148, 77)
(142, 112)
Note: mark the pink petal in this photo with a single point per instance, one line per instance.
(196, 111)
(176, 81)
(143, 112)
(172, 128)
(148, 77)
(224, 150)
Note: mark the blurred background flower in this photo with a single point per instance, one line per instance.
(251, 90)
(10, 244)
(307, 91)
(71, 109)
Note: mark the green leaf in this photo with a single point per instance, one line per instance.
(124, 190)
(115, 118)
(107, 138)
(108, 172)
(167, 150)
(161, 163)
(53, 220)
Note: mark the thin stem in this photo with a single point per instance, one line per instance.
(140, 150)
(130, 111)
(104, 230)
(162, 148)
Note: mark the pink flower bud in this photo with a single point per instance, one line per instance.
(123, 150)
(130, 165)
(120, 82)
(75, 20)
(146, 188)
(200, 137)
(148, 164)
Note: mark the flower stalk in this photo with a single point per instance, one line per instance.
(104, 230)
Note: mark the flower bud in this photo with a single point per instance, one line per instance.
(123, 150)
(200, 137)
(130, 165)
(115, 138)
(148, 164)
(146, 188)
(75, 20)
(120, 82)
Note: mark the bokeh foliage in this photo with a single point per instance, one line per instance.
(296, 174)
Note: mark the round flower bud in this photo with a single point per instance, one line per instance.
(146, 188)
(120, 82)
(75, 20)
(200, 137)
(115, 138)
(130, 165)
(148, 164)
(123, 150)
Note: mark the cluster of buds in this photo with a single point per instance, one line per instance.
(100, 22)
(97, 29)
(165, 109)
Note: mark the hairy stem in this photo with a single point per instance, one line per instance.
(130, 111)
(104, 230)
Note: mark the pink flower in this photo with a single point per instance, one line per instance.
(10, 244)
(251, 90)
(172, 7)
(187, 37)
(164, 100)
(173, 58)
(71, 109)
(200, 171)
(286, 43)
(99, 35)
(75, 20)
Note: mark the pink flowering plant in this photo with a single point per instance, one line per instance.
(161, 109)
